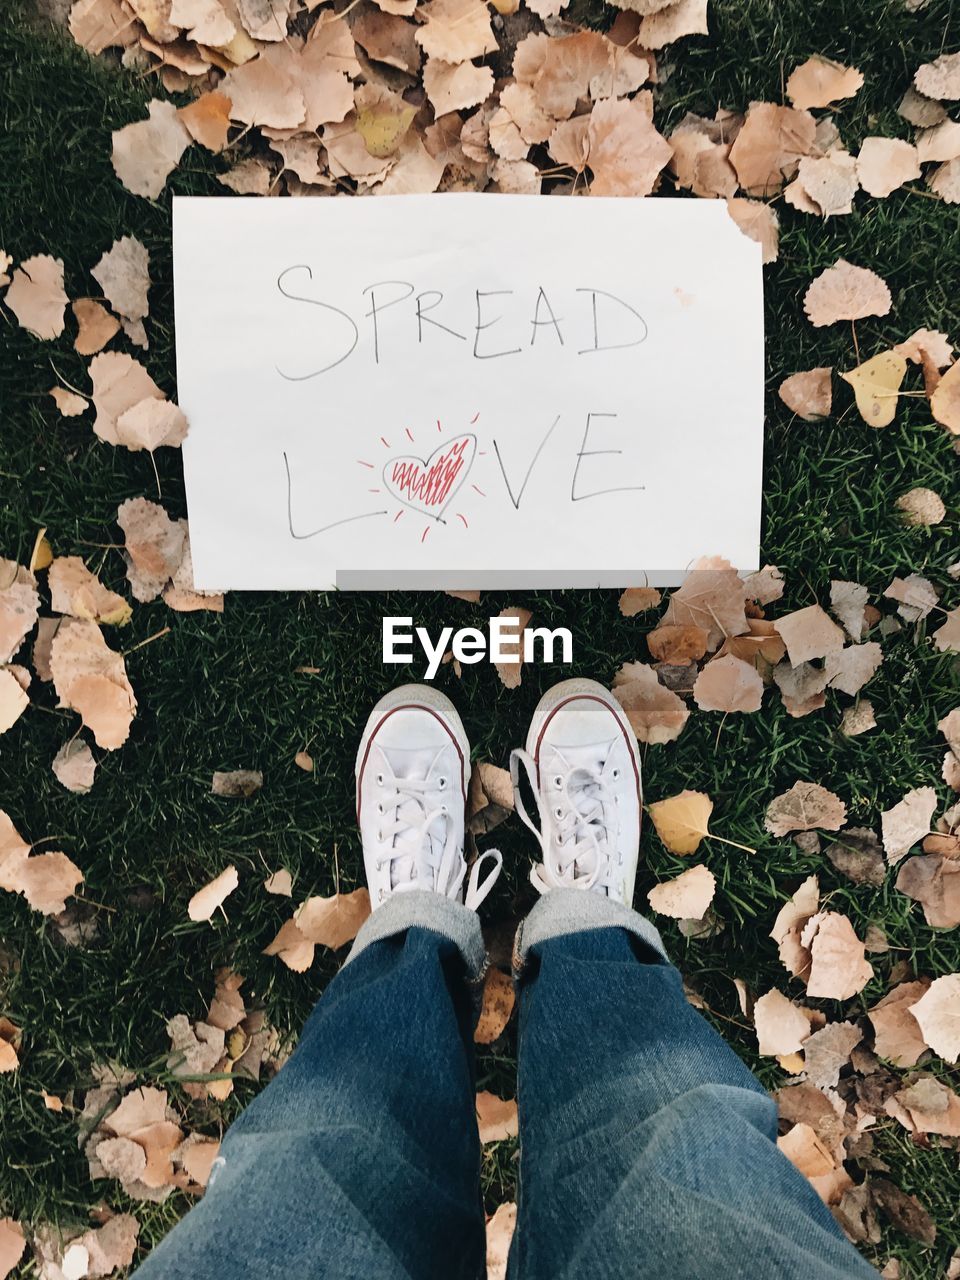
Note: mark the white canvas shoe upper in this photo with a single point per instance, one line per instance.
(583, 764)
(413, 767)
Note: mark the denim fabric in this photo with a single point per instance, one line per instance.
(647, 1147)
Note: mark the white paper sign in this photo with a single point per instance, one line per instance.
(467, 390)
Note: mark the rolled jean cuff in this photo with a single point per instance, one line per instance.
(420, 909)
(564, 911)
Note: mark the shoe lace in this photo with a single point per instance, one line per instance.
(573, 832)
(411, 829)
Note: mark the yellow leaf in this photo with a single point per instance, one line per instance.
(682, 820)
(875, 384)
(383, 126)
(42, 552)
(332, 922)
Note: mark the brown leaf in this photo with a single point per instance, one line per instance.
(292, 947)
(685, 897)
(781, 1025)
(36, 296)
(213, 894)
(46, 880)
(207, 119)
(670, 22)
(74, 766)
(788, 927)
(638, 600)
(510, 671)
(154, 546)
(809, 633)
(934, 882)
(123, 273)
(940, 78)
(885, 164)
(856, 854)
(676, 643)
(78, 592)
(655, 713)
(768, 148)
(838, 964)
(829, 182)
(626, 153)
(236, 783)
(805, 807)
(95, 326)
(905, 1212)
(897, 1034)
(809, 395)
(827, 1051)
(19, 607)
(279, 882)
(14, 700)
(938, 1015)
(333, 922)
(69, 404)
(498, 1001)
(456, 30)
(489, 799)
(921, 508)
(907, 822)
(119, 383)
(848, 601)
(496, 1117)
(12, 1245)
(819, 82)
(146, 153)
(711, 598)
(728, 684)
(91, 678)
(455, 86)
(500, 1229)
(806, 1152)
(845, 292)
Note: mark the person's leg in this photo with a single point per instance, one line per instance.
(361, 1158)
(646, 1146)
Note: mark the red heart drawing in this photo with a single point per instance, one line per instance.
(428, 484)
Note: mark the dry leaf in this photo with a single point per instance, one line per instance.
(920, 110)
(805, 807)
(123, 273)
(75, 767)
(687, 896)
(292, 947)
(809, 394)
(247, 178)
(940, 143)
(496, 1117)
(46, 880)
(213, 894)
(279, 882)
(119, 383)
(10, 1036)
(921, 507)
(626, 153)
(856, 854)
(207, 119)
(809, 633)
(876, 384)
(455, 30)
(670, 22)
(728, 684)
(98, 24)
(768, 148)
(806, 1151)
(69, 404)
(13, 1243)
(95, 326)
(781, 1025)
(500, 1228)
(819, 82)
(655, 713)
(945, 182)
(934, 882)
(510, 671)
(828, 1051)
(236, 783)
(154, 546)
(851, 668)
(759, 221)
(845, 292)
(455, 86)
(333, 922)
(682, 821)
(940, 78)
(76, 591)
(711, 598)
(674, 643)
(897, 1035)
(907, 822)
(36, 296)
(927, 345)
(938, 1015)
(489, 798)
(884, 164)
(848, 601)
(947, 637)
(838, 964)
(916, 596)
(91, 678)
(147, 152)
(830, 182)
(19, 607)
(638, 600)
(498, 1002)
(789, 925)
(945, 401)
(151, 423)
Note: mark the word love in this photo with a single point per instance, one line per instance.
(396, 318)
(428, 485)
(469, 644)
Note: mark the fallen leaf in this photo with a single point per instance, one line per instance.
(781, 1025)
(489, 797)
(848, 600)
(119, 383)
(788, 927)
(36, 296)
(74, 766)
(670, 22)
(496, 1117)
(236, 783)
(897, 1035)
(907, 822)
(934, 882)
(655, 713)
(280, 882)
(828, 1051)
(497, 1006)
(146, 153)
(91, 678)
(19, 607)
(728, 684)
(809, 394)
(916, 596)
(46, 880)
(682, 821)
(829, 182)
(12, 1245)
(937, 1013)
(455, 86)
(838, 964)
(638, 600)
(858, 719)
(213, 894)
(845, 292)
(805, 807)
(710, 598)
(850, 668)
(455, 30)
(510, 670)
(123, 273)
(939, 79)
(765, 586)
(819, 82)
(805, 1151)
(677, 644)
(247, 178)
(905, 1212)
(625, 151)
(154, 546)
(856, 854)
(921, 507)
(876, 384)
(95, 326)
(500, 1228)
(809, 633)
(76, 591)
(687, 896)
(885, 164)
(207, 119)
(292, 947)
(768, 148)
(333, 922)
(151, 423)
(10, 1035)
(69, 404)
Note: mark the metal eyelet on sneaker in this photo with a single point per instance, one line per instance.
(558, 781)
(442, 782)
(616, 773)
(380, 896)
(558, 812)
(380, 837)
(379, 779)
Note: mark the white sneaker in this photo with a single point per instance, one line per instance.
(583, 763)
(413, 769)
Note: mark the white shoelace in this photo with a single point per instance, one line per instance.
(573, 834)
(416, 847)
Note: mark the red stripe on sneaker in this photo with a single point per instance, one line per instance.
(409, 706)
(591, 697)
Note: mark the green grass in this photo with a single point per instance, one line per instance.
(223, 692)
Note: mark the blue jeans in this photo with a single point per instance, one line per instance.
(647, 1148)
